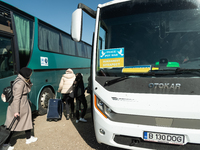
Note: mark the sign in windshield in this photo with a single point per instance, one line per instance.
(112, 58)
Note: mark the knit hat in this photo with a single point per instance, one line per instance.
(25, 72)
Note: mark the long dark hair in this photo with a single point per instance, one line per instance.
(79, 77)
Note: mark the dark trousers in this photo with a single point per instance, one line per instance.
(81, 100)
(27, 133)
(68, 101)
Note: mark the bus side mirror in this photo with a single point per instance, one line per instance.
(76, 26)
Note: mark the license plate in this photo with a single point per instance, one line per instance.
(164, 137)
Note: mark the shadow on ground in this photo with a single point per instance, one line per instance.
(86, 130)
(21, 134)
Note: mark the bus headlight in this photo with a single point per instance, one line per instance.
(108, 111)
(100, 104)
(102, 107)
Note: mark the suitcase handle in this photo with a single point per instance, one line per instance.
(12, 123)
(57, 95)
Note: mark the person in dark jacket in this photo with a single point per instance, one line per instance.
(80, 97)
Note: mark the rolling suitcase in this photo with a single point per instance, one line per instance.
(5, 132)
(54, 111)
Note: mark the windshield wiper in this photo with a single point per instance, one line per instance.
(180, 70)
(156, 72)
(172, 71)
(163, 72)
(109, 82)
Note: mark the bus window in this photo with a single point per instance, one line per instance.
(89, 50)
(102, 36)
(80, 49)
(49, 39)
(5, 24)
(6, 57)
(24, 30)
(68, 45)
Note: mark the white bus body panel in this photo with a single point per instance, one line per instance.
(154, 105)
(158, 105)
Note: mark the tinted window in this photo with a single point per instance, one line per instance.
(89, 50)
(80, 49)
(24, 30)
(6, 57)
(49, 39)
(69, 46)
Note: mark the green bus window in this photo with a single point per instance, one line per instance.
(49, 39)
(84, 50)
(68, 45)
(80, 49)
(24, 30)
(89, 50)
(6, 58)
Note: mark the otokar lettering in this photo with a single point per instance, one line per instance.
(165, 85)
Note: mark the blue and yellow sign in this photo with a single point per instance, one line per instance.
(137, 69)
(112, 58)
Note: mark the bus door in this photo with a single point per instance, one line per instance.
(7, 56)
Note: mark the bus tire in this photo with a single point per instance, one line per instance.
(45, 95)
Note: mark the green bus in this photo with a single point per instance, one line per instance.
(26, 41)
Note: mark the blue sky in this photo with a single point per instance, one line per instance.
(58, 13)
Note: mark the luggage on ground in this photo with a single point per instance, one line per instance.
(54, 111)
(5, 132)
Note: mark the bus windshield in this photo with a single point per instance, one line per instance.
(139, 39)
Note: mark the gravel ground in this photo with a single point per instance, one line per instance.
(61, 135)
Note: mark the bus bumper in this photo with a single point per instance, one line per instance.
(130, 136)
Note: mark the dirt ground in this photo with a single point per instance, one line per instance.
(61, 135)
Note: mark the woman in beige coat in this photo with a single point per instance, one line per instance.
(20, 107)
(65, 87)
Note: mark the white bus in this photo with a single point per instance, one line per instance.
(145, 73)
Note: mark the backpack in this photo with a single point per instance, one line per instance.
(8, 92)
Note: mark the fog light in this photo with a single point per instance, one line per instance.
(102, 131)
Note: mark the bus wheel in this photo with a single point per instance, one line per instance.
(45, 95)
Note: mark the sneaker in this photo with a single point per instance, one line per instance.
(7, 147)
(10, 148)
(82, 120)
(77, 121)
(31, 140)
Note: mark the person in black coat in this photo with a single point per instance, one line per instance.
(80, 97)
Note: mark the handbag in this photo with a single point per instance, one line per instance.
(5, 132)
(71, 94)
